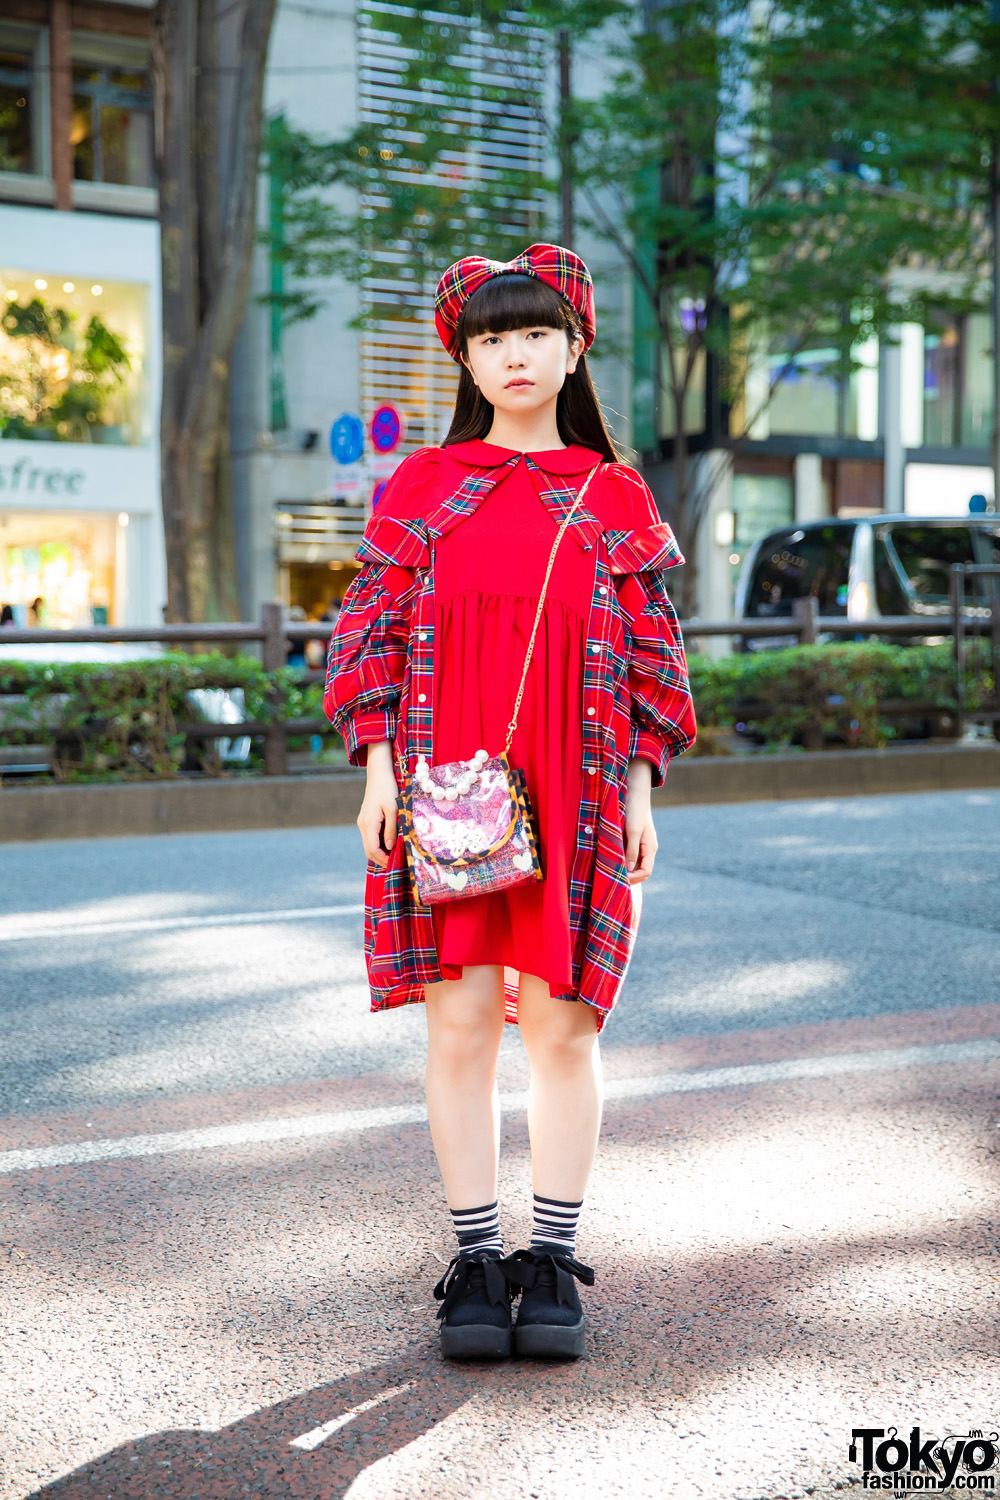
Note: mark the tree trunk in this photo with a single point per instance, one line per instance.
(207, 163)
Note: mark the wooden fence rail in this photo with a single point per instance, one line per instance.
(273, 633)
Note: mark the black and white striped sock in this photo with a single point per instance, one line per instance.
(478, 1228)
(555, 1223)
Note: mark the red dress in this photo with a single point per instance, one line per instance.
(427, 653)
(488, 577)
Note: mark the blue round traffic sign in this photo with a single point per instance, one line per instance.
(388, 427)
(347, 438)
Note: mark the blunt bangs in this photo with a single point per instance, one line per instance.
(512, 301)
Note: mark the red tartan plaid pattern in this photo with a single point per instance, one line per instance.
(380, 683)
(552, 264)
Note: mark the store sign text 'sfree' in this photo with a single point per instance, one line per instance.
(26, 478)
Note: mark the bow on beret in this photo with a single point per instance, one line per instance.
(558, 268)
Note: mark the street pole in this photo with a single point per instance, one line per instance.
(565, 144)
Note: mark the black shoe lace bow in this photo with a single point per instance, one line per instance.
(530, 1268)
(472, 1273)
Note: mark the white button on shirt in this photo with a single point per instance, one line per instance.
(421, 697)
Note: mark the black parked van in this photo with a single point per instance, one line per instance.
(863, 569)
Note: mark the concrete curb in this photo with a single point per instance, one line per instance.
(830, 773)
(50, 812)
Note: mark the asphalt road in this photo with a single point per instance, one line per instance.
(222, 1220)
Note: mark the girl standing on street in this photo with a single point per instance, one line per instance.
(486, 568)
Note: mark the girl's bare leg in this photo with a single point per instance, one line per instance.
(465, 1020)
(564, 1099)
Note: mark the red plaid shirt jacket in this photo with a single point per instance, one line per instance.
(380, 682)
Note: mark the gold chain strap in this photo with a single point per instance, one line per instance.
(541, 605)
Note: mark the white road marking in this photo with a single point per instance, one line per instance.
(346, 1122)
(17, 930)
(310, 1440)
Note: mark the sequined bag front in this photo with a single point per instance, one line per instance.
(467, 825)
(467, 828)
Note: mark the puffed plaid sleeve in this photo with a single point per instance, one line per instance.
(662, 711)
(367, 660)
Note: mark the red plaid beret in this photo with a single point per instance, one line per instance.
(558, 268)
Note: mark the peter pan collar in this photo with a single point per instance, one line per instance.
(477, 454)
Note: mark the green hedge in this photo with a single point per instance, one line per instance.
(119, 720)
(833, 691)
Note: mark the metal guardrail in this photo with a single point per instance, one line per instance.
(274, 632)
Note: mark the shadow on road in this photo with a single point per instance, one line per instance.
(311, 1447)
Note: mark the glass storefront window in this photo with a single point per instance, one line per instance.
(112, 129)
(66, 560)
(72, 359)
(17, 105)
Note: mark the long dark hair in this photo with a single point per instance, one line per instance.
(513, 301)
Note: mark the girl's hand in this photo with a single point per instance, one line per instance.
(640, 835)
(377, 818)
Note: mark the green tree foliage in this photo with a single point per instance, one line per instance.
(774, 175)
(777, 172)
(408, 191)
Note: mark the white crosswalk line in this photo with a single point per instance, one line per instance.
(345, 1122)
(17, 930)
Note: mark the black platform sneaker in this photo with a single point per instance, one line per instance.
(550, 1321)
(475, 1307)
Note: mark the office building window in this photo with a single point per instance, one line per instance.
(977, 378)
(112, 131)
(812, 390)
(20, 105)
(958, 381)
(942, 381)
(806, 391)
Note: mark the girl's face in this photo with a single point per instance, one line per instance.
(523, 369)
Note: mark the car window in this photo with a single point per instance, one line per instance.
(795, 564)
(926, 554)
(890, 595)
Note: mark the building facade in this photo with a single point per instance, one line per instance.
(303, 495)
(906, 429)
(80, 520)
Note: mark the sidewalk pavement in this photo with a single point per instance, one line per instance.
(792, 1218)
